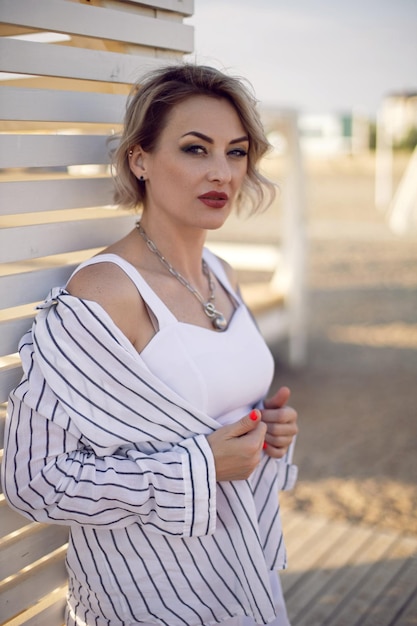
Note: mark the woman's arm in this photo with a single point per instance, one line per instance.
(50, 475)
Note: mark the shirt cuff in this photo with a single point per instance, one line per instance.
(200, 487)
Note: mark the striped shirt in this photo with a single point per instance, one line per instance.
(95, 441)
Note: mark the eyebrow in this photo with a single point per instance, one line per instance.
(209, 140)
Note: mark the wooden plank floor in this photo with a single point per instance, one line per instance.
(340, 574)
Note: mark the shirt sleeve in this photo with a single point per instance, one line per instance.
(51, 474)
(287, 470)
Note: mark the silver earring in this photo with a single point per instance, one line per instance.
(130, 153)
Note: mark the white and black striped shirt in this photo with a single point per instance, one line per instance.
(96, 442)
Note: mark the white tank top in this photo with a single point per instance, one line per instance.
(225, 374)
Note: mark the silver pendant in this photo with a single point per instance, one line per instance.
(218, 320)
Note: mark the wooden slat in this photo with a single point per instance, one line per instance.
(313, 545)
(48, 612)
(2, 425)
(28, 57)
(54, 195)
(408, 616)
(29, 242)
(184, 7)
(11, 331)
(52, 150)
(30, 586)
(296, 538)
(90, 21)
(29, 287)
(401, 589)
(47, 105)
(331, 588)
(375, 587)
(23, 547)
(323, 580)
(10, 520)
(9, 378)
(348, 575)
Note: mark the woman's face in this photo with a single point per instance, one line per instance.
(198, 166)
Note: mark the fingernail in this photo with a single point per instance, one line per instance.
(265, 445)
(253, 415)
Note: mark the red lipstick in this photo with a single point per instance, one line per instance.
(214, 199)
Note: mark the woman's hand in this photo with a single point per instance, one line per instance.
(237, 448)
(281, 423)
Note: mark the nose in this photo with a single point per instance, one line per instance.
(220, 170)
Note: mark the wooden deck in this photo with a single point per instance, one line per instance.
(340, 574)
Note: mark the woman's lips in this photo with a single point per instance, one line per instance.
(214, 199)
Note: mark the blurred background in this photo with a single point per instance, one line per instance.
(349, 72)
(330, 269)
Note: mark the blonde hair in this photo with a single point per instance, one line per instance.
(148, 107)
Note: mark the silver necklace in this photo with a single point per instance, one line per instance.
(218, 320)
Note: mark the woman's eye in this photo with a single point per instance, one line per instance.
(194, 149)
(238, 152)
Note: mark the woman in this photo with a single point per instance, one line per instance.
(140, 419)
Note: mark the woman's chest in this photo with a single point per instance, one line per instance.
(218, 373)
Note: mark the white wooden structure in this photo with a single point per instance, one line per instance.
(66, 68)
(402, 211)
(400, 204)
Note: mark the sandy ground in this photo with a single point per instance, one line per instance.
(357, 394)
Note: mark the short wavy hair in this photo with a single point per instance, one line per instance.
(147, 111)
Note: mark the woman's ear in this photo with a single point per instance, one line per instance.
(136, 162)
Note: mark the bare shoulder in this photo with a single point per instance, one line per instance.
(104, 283)
(108, 285)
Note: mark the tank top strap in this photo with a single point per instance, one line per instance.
(152, 301)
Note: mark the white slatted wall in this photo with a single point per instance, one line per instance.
(59, 102)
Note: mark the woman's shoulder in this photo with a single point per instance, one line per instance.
(107, 284)
(101, 279)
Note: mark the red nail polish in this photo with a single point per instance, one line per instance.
(265, 445)
(253, 415)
